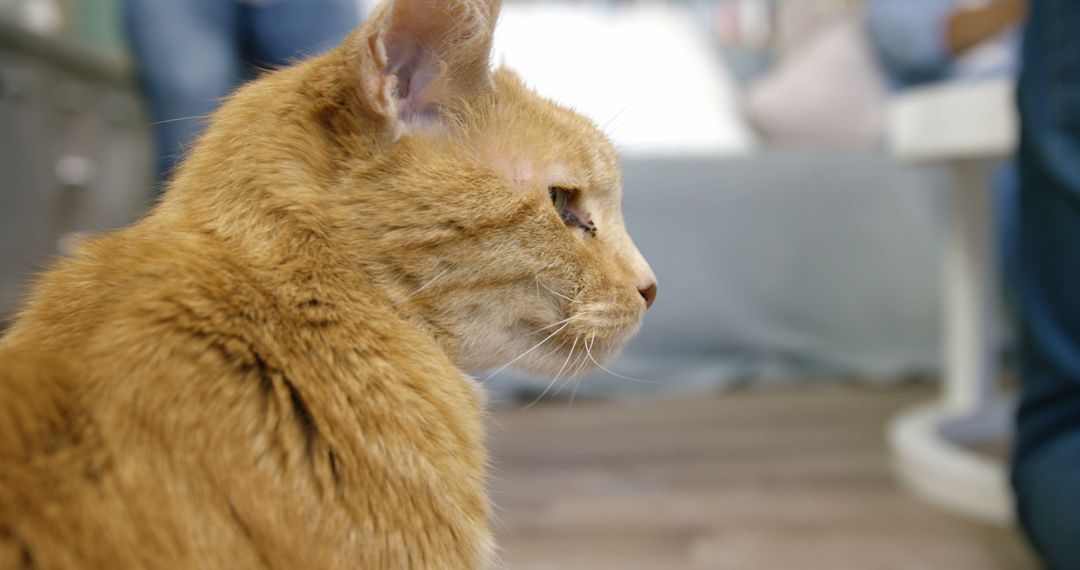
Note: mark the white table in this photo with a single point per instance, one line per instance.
(968, 127)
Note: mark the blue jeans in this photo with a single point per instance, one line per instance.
(190, 54)
(1046, 468)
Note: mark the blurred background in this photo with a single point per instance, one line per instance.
(826, 206)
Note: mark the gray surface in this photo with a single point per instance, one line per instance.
(59, 104)
(781, 266)
(88, 62)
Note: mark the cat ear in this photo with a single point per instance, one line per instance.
(416, 55)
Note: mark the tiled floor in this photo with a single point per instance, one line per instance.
(797, 478)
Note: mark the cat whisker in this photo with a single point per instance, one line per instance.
(554, 292)
(577, 385)
(553, 350)
(577, 366)
(177, 119)
(573, 394)
(615, 374)
(555, 324)
(184, 149)
(571, 353)
(541, 396)
(429, 283)
(556, 348)
(584, 359)
(556, 378)
(566, 320)
(526, 353)
(609, 128)
(574, 367)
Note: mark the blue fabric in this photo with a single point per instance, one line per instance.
(911, 39)
(282, 32)
(1046, 470)
(910, 36)
(1006, 186)
(190, 54)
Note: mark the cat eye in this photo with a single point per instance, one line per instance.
(560, 199)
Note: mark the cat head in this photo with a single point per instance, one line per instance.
(487, 214)
(482, 213)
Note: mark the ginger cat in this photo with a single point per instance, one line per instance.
(267, 371)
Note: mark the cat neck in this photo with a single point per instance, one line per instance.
(279, 190)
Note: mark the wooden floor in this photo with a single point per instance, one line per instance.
(762, 480)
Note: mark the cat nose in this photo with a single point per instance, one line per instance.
(648, 293)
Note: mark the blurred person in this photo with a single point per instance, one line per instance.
(927, 40)
(850, 68)
(920, 41)
(1046, 465)
(924, 41)
(190, 54)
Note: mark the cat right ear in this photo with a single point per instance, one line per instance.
(414, 56)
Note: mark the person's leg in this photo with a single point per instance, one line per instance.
(1007, 200)
(1048, 487)
(1046, 470)
(187, 56)
(285, 31)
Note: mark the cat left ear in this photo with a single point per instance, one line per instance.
(417, 55)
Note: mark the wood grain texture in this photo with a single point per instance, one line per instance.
(792, 478)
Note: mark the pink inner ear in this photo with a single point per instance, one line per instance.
(416, 71)
(434, 50)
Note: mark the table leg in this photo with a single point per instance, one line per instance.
(971, 278)
(932, 442)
